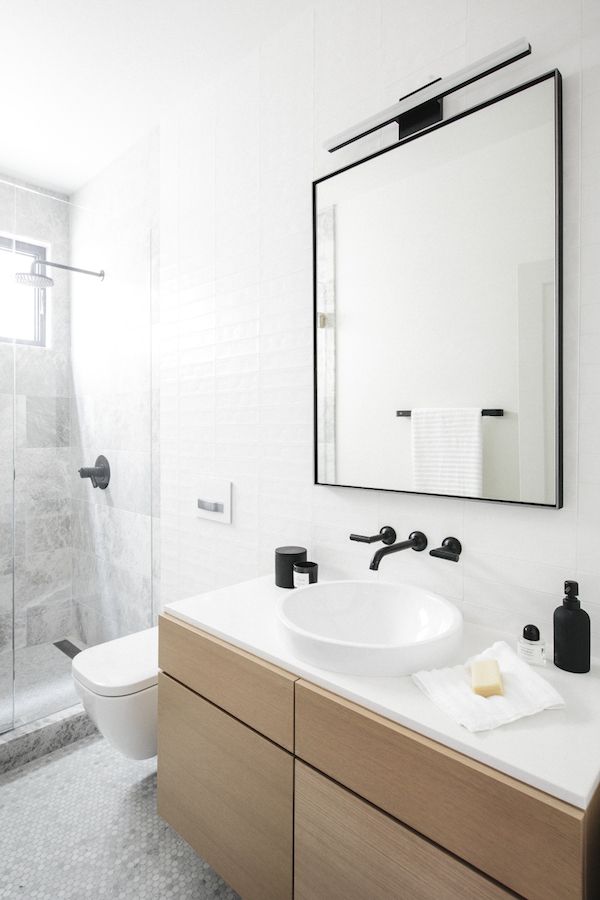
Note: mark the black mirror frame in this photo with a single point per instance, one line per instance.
(558, 188)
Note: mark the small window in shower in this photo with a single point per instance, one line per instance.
(22, 308)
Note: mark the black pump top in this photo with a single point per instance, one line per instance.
(571, 600)
(531, 633)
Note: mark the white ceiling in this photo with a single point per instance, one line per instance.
(82, 80)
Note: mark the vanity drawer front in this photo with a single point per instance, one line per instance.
(227, 791)
(345, 849)
(518, 835)
(254, 691)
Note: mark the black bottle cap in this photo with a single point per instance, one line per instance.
(531, 633)
(571, 600)
(290, 551)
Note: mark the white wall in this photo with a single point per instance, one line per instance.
(235, 317)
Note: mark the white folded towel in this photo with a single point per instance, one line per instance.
(525, 692)
(447, 451)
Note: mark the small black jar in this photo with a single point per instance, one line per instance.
(285, 557)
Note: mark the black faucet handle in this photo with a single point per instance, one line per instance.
(386, 534)
(99, 473)
(419, 541)
(451, 549)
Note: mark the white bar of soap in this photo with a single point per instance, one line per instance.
(486, 679)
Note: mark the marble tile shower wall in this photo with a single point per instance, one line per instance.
(114, 227)
(234, 331)
(40, 406)
(6, 491)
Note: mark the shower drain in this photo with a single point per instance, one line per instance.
(68, 648)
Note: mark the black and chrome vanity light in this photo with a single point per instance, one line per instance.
(422, 107)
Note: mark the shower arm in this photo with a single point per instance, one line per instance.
(46, 262)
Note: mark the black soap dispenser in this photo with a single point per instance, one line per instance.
(571, 633)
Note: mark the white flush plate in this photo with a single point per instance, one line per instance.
(214, 499)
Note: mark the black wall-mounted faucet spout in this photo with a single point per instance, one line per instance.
(416, 541)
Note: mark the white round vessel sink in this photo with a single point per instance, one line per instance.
(370, 628)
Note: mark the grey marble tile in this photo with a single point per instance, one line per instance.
(91, 626)
(36, 533)
(130, 487)
(51, 532)
(82, 525)
(42, 577)
(6, 692)
(120, 597)
(6, 636)
(84, 575)
(155, 447)
(6, 369)
(43, 682)
(42, 371)
(48, 622)
(6, 531)
(157, 603)
(6, 493)
(6, 604)
(60, 322)
(6, 415)
(42, 481)
(43, 421)
(155, 526)
(28, 742)
(116, 421)
(123, 537)
(84, 826)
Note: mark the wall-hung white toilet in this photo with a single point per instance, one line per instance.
(118, 685)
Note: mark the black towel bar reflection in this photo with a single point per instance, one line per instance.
(407, 413)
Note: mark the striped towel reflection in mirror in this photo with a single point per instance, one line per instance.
(447, 451)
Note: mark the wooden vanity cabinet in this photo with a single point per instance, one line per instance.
(252, 690)
(227, 789)
(532, 843)
(346, 849)
(289, 790)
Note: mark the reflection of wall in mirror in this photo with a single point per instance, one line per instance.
(422, 323)
(536, 380)
(325, 346)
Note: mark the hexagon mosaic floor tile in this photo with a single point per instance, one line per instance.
(81, 823)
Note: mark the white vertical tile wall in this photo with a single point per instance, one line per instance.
(234, 330)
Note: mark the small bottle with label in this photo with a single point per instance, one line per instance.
(530, 648)
(305, 573)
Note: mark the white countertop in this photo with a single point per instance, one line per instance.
(557, 751)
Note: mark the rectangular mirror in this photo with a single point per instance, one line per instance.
(437, 289)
